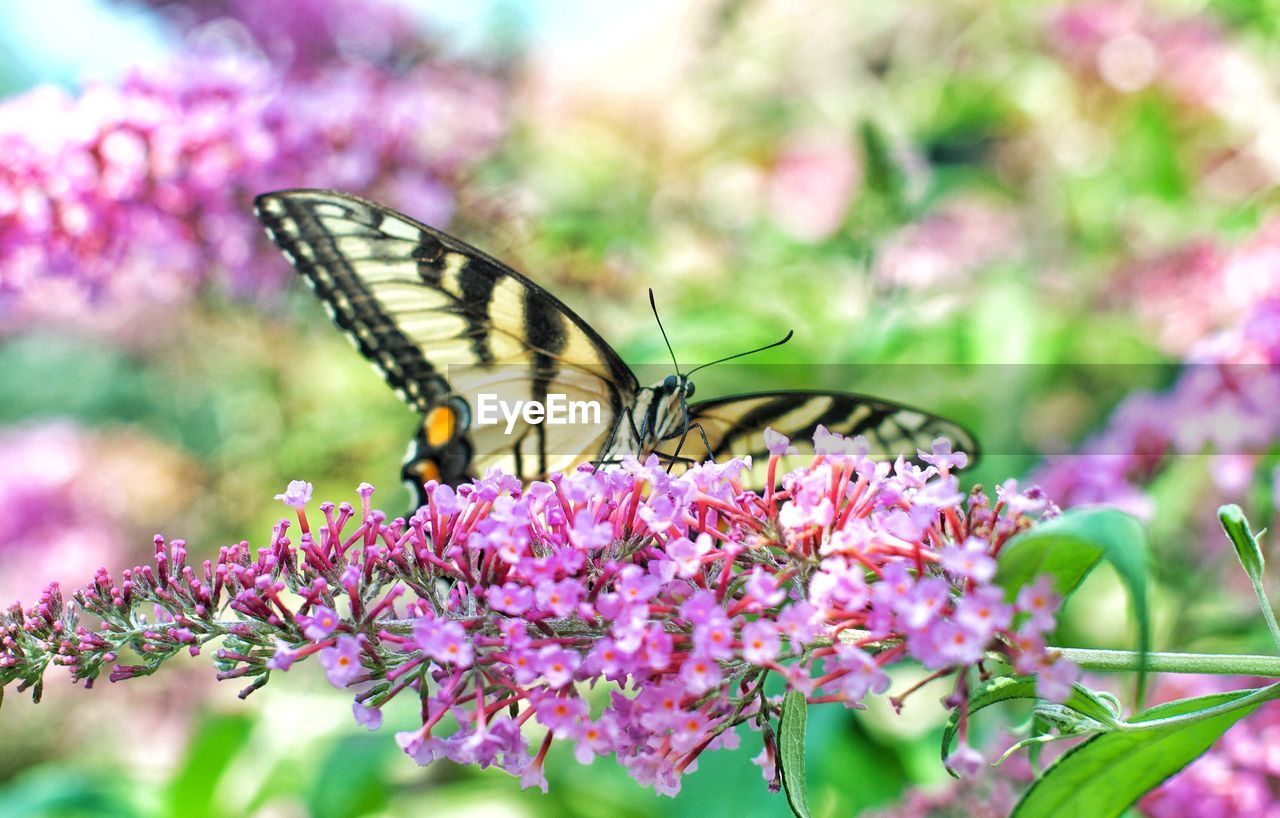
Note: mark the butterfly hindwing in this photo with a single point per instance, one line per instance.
(440, 320)
(734, 425)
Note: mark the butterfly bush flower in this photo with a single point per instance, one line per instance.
(73, 498)
(1131, 45)
(1188, 293)
(132, 195)
(491, 608)
(949, 246)
(313, 32)
(1223, 404)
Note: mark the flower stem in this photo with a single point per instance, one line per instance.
(1219, 663)
(1267, 613)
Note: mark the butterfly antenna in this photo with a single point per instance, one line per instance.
(743, 354)
(654, 305)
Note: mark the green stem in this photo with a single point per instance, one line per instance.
(1218, 663)
(1257, 697)
(1267, 613)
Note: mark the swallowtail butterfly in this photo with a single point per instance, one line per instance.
(443, 322)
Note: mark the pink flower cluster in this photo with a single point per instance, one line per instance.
(1223, 404)
(1129, 45)
(944, 249)
(992, 795)
(309, 34)
(73, 498)
(500, 604)
(1202, 286)
(138, 193)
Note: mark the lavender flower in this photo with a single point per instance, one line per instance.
(1223, 404)
(426, 606)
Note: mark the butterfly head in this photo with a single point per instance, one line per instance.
(666, 406)
(676, 385)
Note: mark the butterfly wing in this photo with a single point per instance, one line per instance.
(735, 425)
(444, 322)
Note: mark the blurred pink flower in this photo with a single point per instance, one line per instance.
(1202, 286)
(813, 183)
(1238, 777)
(70, 496)
(991, 793)
(1129, 46)
(948, 246)
(1222, 404)
(303, 33)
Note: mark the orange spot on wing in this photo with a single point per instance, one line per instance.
(427, 470)
(440, 424)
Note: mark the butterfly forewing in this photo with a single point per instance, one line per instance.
(440, 318)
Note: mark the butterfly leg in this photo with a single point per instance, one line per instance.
(702, 433)
(606, 451)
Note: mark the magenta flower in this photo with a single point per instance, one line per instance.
(484, 601)
(283, 657)
(1039, 602)
(969, 560)
(777, 443)
(760, 642)
(444, 641)
(814, 180)
(131, 197)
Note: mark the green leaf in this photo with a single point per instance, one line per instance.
(1067, 548)
(1009, 688)
(791, 732)
(70, 791)
(1101, 777)
(352, 778)
(218, 740)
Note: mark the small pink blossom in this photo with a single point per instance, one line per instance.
(342, 661)
(297, 495)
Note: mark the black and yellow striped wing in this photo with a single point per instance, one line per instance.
(443, 322)
(735, 425)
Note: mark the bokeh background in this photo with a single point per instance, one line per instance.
(1068, 212)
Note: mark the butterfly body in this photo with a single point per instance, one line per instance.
(444, 323)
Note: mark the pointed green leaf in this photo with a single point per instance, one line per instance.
(791, 732)
(1103, 776)
(1067, 548)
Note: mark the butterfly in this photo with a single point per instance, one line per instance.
(456, 333)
